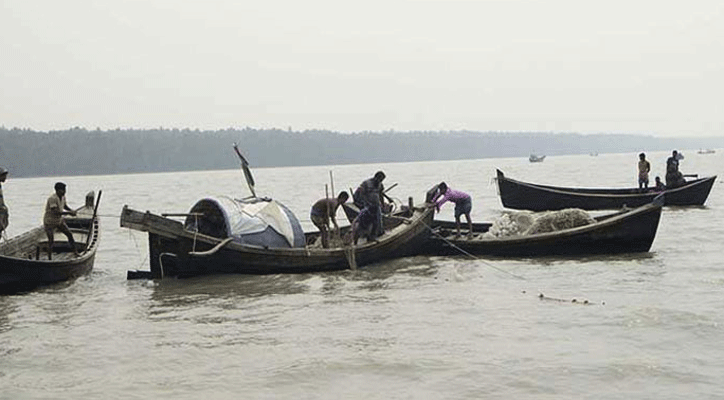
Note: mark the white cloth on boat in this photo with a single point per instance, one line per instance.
(253, 221)
(522, 223)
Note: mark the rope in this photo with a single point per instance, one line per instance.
(472, 255)
(541, 296)
(108, 215)
(138, 250)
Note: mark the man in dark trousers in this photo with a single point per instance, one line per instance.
(55, 209)
(369, 195)
(674, 178)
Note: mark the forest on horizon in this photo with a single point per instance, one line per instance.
(78, 151)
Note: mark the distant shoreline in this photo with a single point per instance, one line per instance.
(28, 153)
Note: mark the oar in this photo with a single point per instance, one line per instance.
(93, 220)
(333, 213)
(384, 193)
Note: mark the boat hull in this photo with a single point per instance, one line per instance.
(622, 232)
(175, 251)
(527, 196)
(24, 265)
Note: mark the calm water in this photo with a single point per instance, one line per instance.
(421, 327)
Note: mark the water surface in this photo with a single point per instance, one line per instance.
(419, 327)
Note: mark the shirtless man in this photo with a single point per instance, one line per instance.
(325, 210)
(644, 169)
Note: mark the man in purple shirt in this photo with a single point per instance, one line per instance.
(463, 205)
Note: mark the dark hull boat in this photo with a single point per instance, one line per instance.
(625, 231)
(261, 236)
(178, 249)
(529, 196)
(24, 263)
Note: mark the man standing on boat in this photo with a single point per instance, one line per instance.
(644, 168)
(4, 215)
(674, 177)
(55, 209)
(325, 210)
(370, 194)
(463, 205)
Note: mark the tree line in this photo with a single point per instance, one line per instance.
(78, 151)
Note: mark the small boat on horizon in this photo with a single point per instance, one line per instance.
(706, 151)
(536, 158)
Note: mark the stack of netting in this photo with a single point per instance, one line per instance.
(520, 223)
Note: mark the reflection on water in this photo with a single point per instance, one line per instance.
(7, 307)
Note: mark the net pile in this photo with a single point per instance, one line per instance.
(522, 223)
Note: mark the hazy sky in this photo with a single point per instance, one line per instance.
(630, 66)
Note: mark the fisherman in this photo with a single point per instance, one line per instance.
(674, 177)
(325, 210)
(463, 205)
(4, 215)
(363, 225)
(370, 194)
(660, 187)
(644, 168)
(55, 209)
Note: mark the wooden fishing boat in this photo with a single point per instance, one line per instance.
(529, 196)
(176, 250)
(261, 236)
(536, 158)
(625, 231)
(24, 263)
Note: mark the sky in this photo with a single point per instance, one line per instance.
(615, 66)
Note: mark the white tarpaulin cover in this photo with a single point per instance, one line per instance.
(256, 221)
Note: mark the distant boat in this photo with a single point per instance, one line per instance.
(593, 154)
(706, 151)
(535, 158)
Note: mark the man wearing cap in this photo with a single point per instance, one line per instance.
(4, 216)
(55, 209)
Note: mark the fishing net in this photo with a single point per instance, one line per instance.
(522, 223)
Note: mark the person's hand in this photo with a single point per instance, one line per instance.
(73, 213)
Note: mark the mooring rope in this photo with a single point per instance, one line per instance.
(541, 296)
(453, 245)
(138, 250)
